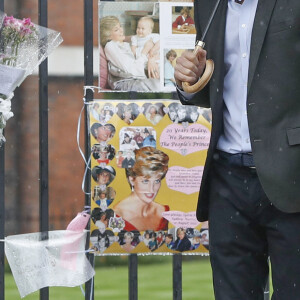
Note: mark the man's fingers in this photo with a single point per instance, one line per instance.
(190, 66)
(201, 54)
(186, 69)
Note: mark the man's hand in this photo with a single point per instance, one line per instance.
(189, 67)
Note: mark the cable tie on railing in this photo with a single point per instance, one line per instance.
(87, 208)
(92, 88)
(92, 290)
(87, 163)
(86, 102)
(78, 138)
(84, 176)
(85, 251)
(82, 290)
(86, 211)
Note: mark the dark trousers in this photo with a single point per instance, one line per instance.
(245, 229)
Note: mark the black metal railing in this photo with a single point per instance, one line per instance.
(88, 81)
(43, 140)
(2, 208)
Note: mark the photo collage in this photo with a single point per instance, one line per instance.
(139, 43)
(147, 160)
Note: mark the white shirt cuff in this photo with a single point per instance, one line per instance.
(186, 96)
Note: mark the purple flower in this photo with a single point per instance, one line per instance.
(25, 31)
(9, 21)
(27, 22)
(12, 23)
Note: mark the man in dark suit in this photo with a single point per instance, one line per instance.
(250, 191)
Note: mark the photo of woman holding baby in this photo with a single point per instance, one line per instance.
(139, 210)
(130, 67)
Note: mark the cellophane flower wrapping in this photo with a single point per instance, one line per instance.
(58, 260)
(23, 46)
(5, 114)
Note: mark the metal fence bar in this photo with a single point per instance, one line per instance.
(88, 80)
(133, 277)
(2, 210)
(2, 221)
(177, 276)
(43, 140)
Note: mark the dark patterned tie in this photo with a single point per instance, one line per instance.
(239, 1)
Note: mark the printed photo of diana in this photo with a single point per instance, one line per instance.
(129, 47)
(139, 209)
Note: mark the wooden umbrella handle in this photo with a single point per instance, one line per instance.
(204, 79)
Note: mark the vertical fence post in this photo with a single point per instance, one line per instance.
(132, 277)
(43, 140)
(2, 209)
(177, 276)
(88, 80)
(2, 220)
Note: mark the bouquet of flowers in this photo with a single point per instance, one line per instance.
(15, 33)
(23, 46)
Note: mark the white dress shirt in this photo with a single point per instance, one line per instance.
(239, 23)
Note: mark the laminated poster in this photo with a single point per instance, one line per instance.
(139, 43)
(147, 160)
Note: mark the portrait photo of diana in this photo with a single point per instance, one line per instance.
(139, 210)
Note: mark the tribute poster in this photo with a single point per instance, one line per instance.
(147, 160)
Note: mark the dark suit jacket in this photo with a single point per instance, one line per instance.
(273, 100)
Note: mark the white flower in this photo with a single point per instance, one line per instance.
(5, 109)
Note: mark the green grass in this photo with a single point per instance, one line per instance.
(154, 281)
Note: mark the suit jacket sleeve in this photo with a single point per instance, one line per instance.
(201, 98)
